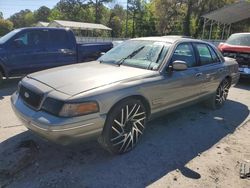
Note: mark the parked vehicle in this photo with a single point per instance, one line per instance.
(31, 49)
(113, 98)
(238, 46)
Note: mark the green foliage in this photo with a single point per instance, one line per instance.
(42, 14)
(5, 26)
(145, 17)
(24, 18)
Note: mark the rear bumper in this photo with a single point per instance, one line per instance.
(244, 72)
(63, 131)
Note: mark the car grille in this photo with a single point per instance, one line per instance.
(30, 98)
(242, 58)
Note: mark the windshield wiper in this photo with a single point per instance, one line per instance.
(121, 61)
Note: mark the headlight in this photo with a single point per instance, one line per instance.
(78, 109)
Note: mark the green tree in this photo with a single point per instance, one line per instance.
(98, 6)
(42, 14)
(24, 18)
(5, 26)
(116, 20)
(1, 15)
(74, 10)
(168, 15)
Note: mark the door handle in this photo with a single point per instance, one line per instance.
(67, 51)
(198, 74)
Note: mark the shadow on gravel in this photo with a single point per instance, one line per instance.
(169, 143)
(8, 87)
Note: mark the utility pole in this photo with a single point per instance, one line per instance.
(126, 34)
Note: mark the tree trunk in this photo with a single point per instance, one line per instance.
(186, 24)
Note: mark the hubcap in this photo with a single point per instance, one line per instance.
(222, 93)
(128, 127)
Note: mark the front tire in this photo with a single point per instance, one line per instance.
(220, 97)
(124, 126)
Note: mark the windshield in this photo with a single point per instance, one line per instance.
(137, 53)
(239, 39)
(6, 37)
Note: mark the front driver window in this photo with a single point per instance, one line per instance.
(184, 52)
(32, 39)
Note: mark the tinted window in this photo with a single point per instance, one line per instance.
(204, 54)
(59, 39)
(32, 39)
(184, 52)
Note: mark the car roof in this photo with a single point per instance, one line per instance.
(169, 39)
(40, 28)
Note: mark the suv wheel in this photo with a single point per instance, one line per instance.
(124, 126)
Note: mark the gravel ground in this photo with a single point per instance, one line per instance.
(193, 147)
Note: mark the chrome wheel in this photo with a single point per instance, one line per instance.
(222, 93)
(127, 127)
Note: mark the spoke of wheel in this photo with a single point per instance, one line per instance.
(127, 117)
(131, 111)
(135, 115)
(137, 110)
(120, 124)
(131, 140)
(125, 140)
(137, 129)
(122, 141)
(122, 120)
(119, 136)
(118, 132)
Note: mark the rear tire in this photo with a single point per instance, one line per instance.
(220, 97)
(124, 126)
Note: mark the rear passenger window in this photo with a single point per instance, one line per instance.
(59, 39)
(184, 52)
(204, 54)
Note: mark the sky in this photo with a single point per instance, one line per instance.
(9, 7)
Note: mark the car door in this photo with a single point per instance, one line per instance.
(61, 51)
(179, 87)
(210, 66)
(26, 50)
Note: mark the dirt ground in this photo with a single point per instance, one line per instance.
(193, 147)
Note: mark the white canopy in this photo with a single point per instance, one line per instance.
(231, 13)
(78, 25)
(226, 16)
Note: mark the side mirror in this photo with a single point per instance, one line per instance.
(179, 65)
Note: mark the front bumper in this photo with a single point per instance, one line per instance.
(57, 129)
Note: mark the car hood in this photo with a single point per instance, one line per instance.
(78, 78)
